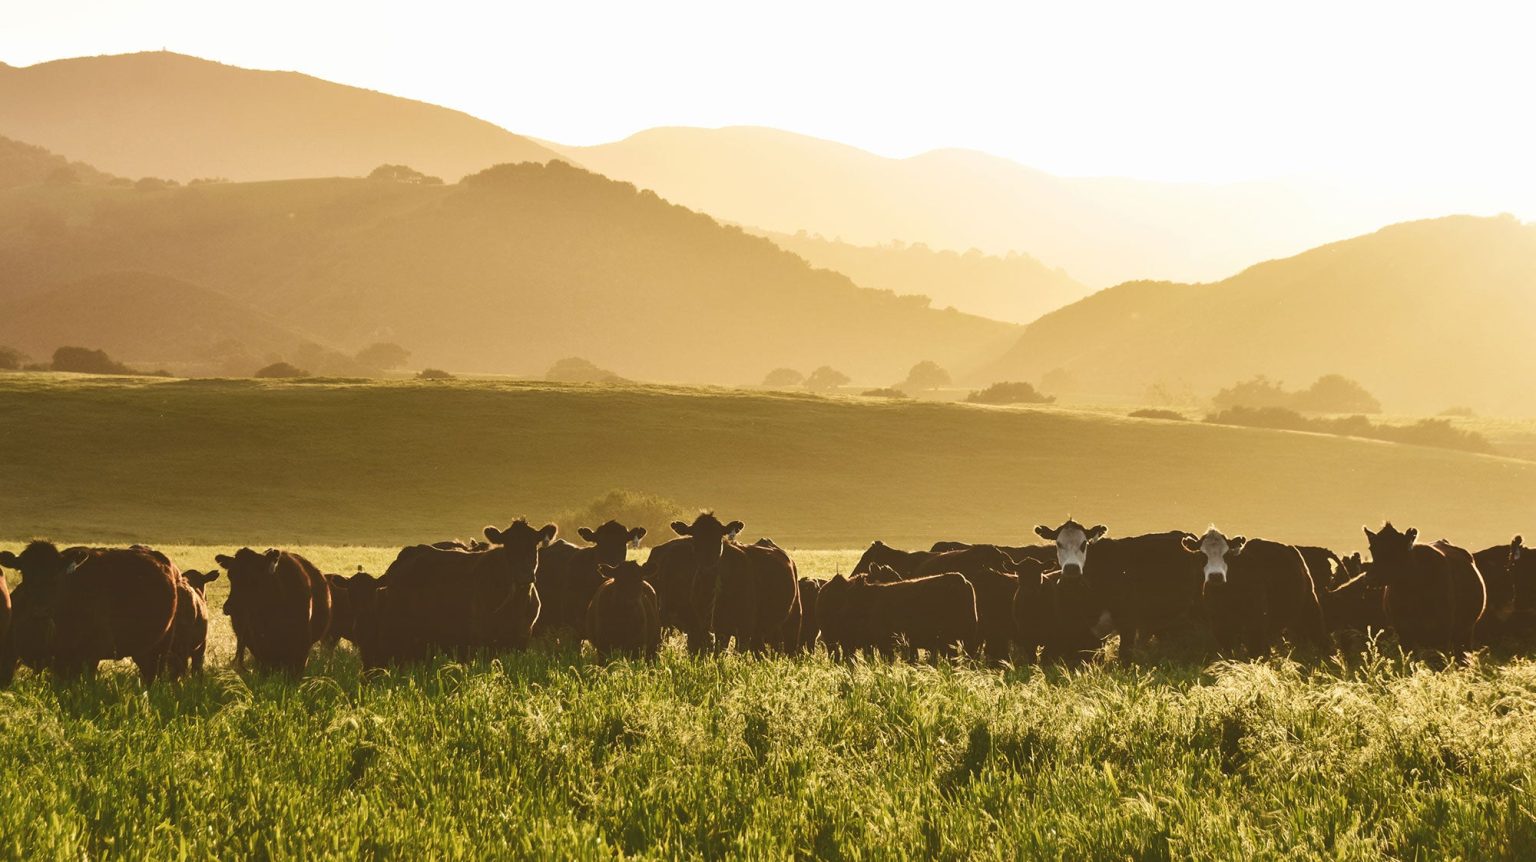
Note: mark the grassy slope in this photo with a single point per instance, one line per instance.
(385, 463)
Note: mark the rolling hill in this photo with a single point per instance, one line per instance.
(24, 164)
(506, 272)
(169, 115)
(1425, 314)
(1100, 230)
(260, 462)
(1013, 287)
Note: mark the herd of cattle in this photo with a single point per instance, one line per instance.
(1054, 601)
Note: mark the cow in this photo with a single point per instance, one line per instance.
(1019, 553)
(810, 625)
(553, 613)
(669, 570)
(1353, 608)
(1433, 594)
(1322, 564)
(994, 574)
(749, 592)
(189, 631)
(1501, 569)
(622, 616)
(1254, 590)
(879, 553)
(78, 607)
(1147, 584)
(279, 606)
(348, 592)
(7, 646)
(935, 612)
(1057, 618)
(579, 575)
(459, 601)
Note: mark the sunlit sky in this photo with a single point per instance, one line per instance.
(1440, 95)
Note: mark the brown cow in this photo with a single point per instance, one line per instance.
(7, 646)
(879, 553)
(749, 592)
(1256, 589)
(459, 601)
(189, 632)
(550, 579)
(622, 617)
(1354, 608)
(79, 607)
(994, 573)
(1059, 618)
(1434, 594)
(1019, 553)
(1148, 585)
(1500, 567)
(810, 625)
(936, 613)
(580, 576)
(279, 606)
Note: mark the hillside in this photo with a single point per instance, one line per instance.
(384, 463)
(507, 272)
(1100, 230)
(1013, 287)
(150, 320)
(179, 117)
(1425, 314)
(23, 164)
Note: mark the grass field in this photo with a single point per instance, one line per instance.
(319, 462)
(549, 755)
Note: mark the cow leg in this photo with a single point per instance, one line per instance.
(7, 661)
(197, 657)
(239, 661)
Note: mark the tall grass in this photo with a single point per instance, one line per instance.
(546, 755)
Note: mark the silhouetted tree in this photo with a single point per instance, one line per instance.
(154, 184)
(1335, 393)
(885, 392)
(83, 360)
(825, 379)
(403, 174)
(926, 375)
(281, 370)
(433, 374)
(1018, 392)
(574, 369)
(11, 359)
(1260, 392)
(780, 378)
(383, 356)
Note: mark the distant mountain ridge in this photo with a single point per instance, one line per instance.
(1427, 315)
(507, 272)
(169, 115)
(1100, 230)
(1013, 287)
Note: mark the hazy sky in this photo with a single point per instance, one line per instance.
(1441, 94)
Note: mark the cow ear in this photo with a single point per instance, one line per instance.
(494, 535)
(7, 559)
(224, 560)
(1097, 533)
(1368, 534)
(586, 534)
(1412, 533)
(547, 535)
(680, 528)
(1236, 543)
(1191, 543)
(1045, 532)
(733, 529)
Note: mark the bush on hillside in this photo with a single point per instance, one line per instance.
(630, 508)
(1439, 433)
(83, 360)
(281, 370)
(885, 392)
(574, 369)
(1015, 392)
(11, 359)
(926, 375)
(1331, 393)
(403, 174)
(1154, 413)
(826, 378)
(783, 378)
(433, 374)
(382, 356)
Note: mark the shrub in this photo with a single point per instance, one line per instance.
(780, 378)
(1017, 392)
(1426, 432)
(885, 392)
(433, 374)
(11, 359)
(83, 360)
(281, 370)
(926, 375)
(574, 369)
(1331, 393)
(1152, 413)
(382, 356)
(825, 379)
(630, 508)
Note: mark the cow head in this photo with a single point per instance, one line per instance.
(1218, 551)
(198, 581)
(612, 539)
(1072, 541)
(628, 576)
(1391, 552)
(43, 568)
(246, 569)
(521, 543)
(709, 537)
